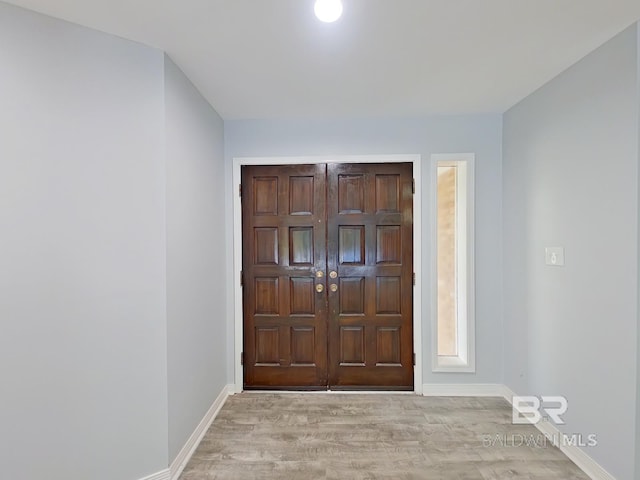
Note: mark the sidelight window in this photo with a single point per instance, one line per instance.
(453, 326)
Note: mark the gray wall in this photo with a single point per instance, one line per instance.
(196, 282)
(570, 179)
(446, 134)
(82, 253)
(637, 451)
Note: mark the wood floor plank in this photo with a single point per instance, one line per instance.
(365, 437)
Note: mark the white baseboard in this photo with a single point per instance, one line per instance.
(463, 390)
(577, 455)
(162, 475)
(192, 443)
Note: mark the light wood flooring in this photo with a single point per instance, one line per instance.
(377, 436)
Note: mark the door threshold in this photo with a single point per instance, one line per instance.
(336, 392)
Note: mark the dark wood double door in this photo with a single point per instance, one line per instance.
(327, 276)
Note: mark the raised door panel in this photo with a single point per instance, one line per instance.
(387, 193)
(301, 193)
(302, 297)
(389, 346)
(350, 295)
(265, 241)
(388, 295)
(352, 346)
(265, 195)
(388, 244)
(266, 296)
(303, 346)
(301, 246)
(350, 193)
(351, 245)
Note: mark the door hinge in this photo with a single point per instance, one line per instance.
(413, 185)
(242, 278)
(240, 190)
(414, 359)
(242, 359)
(414, 278)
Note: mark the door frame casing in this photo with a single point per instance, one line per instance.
(238, 162)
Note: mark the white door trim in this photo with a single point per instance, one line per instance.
(417, 245)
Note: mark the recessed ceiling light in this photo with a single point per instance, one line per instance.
(328, 10)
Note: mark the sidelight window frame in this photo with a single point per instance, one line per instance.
(464, 361)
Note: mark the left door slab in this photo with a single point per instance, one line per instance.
(284, 267)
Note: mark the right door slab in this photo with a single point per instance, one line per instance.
(370, 276)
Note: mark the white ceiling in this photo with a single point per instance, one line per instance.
(273, 59)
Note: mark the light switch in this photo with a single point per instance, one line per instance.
(554, 256)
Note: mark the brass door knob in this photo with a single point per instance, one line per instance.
(333, 274)
(333, 287)
(319, 274)
(319, 288)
